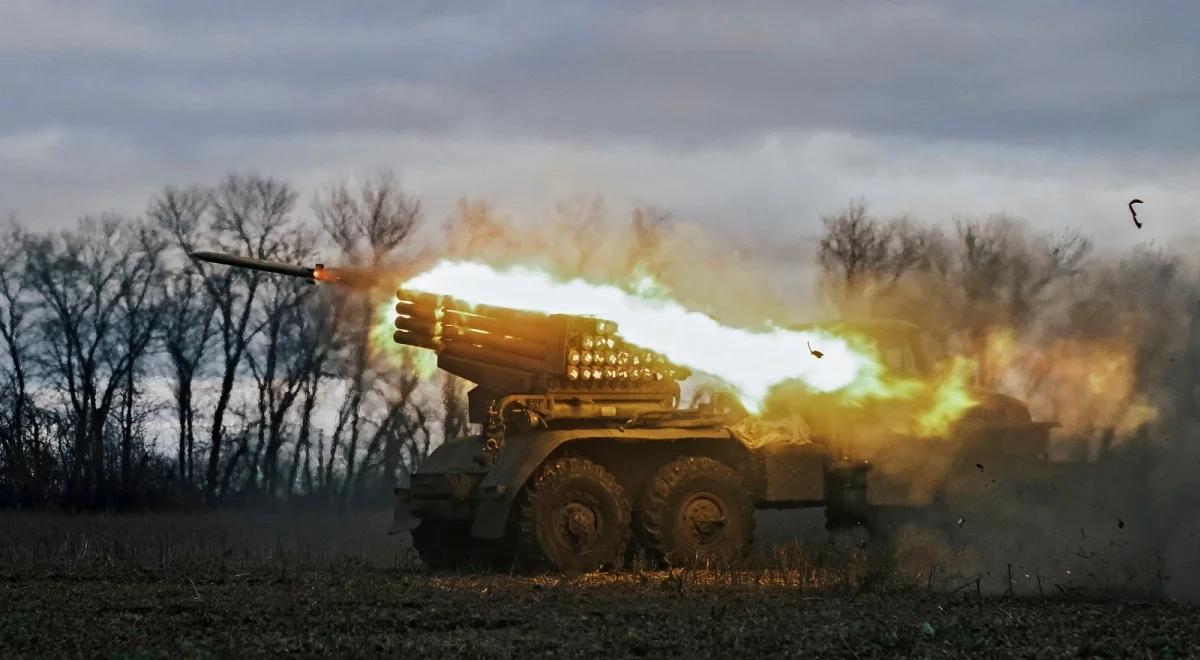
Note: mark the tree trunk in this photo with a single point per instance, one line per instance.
(191, 441)
(100, 493)
(217, 433)
(127, 433)
(183, 404)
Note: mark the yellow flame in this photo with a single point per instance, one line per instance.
(1089, 386)
(950, 397)
(749, 361)
(423, 362)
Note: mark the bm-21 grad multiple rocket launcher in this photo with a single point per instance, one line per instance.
(583, 451)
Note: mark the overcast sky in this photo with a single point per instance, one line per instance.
(756, 117)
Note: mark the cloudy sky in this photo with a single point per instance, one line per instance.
(757, 117)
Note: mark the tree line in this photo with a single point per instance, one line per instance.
(109, 330)
(1106, 342)
(133, 375)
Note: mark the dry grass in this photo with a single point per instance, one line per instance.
(198, 545)
(225, 584)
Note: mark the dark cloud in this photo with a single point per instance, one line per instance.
(1114, 73)
(177, 91)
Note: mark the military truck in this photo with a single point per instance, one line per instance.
(585, 453)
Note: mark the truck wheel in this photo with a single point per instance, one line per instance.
(574, 516)
(695, 511)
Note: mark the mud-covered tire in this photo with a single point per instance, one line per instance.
(573, 516)
(446, 545)
(696, 511)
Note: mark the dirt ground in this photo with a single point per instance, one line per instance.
(219, 585)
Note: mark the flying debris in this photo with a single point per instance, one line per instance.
(1133, 212)
(816, 354)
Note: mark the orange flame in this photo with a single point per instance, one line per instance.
(1088, 386)
(750, 362)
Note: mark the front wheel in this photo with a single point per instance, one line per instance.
(696, 511)
(574, 516)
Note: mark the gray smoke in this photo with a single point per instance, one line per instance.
(1108, 344)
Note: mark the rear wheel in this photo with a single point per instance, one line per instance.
(574, 516)
(696, 511)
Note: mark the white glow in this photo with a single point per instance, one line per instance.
(749, 361)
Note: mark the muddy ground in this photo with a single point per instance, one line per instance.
(218, 585)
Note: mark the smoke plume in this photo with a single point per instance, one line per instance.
(1106, 345)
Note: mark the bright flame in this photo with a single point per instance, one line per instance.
(950, 397)
(749, 361)
(1090, 386)
(421, 361)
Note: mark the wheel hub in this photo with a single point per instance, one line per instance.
(703, 518)
(578, 526)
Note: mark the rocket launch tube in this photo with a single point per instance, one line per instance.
(523, 347)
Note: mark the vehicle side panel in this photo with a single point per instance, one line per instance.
(794, 474)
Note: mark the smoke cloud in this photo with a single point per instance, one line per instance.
(1104, 344)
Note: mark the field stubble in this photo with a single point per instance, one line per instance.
(219, 584)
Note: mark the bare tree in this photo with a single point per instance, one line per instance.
(286, 353)
(370, 225)
(248, 214)
(140, 313)
(188, 319)
(1006, 277)
(15, 317)
(403, 418)
(188, 329)
(864, 258)
(93, 283)
(1004, 274)
(318, 341)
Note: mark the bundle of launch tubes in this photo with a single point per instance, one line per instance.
(580, 352)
